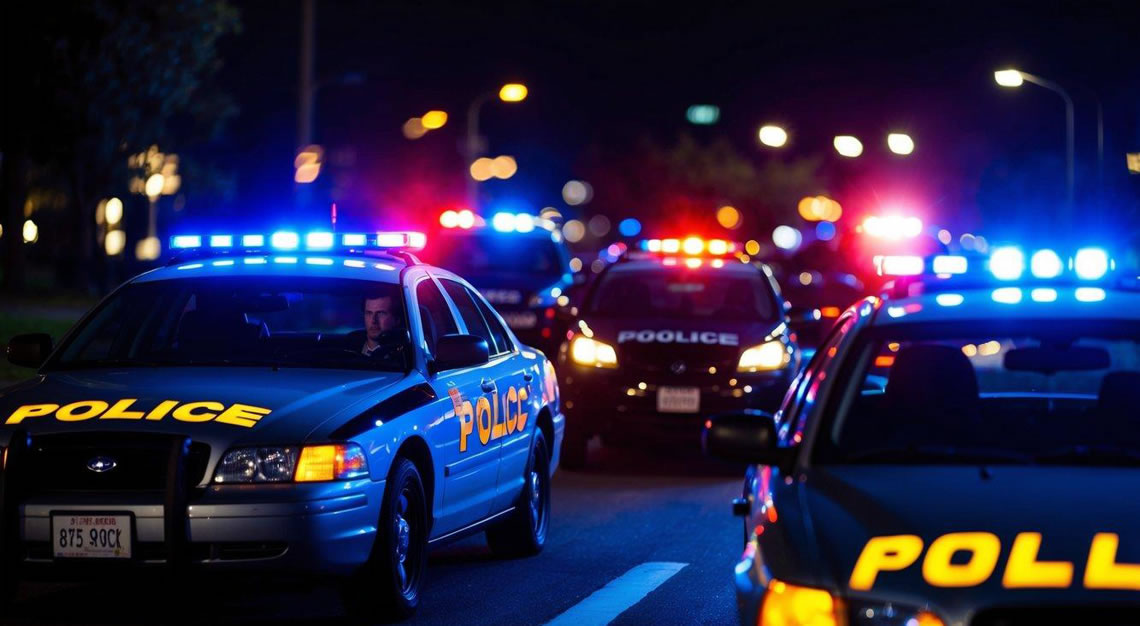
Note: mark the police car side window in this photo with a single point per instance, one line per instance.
(502, 340)
(468, 310)
(434, 314)
(802, 396)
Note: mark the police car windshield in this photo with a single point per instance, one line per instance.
(684, 293)
(1062, 392)
(497, 253)
(245, 321)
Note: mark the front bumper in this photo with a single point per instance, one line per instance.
(623, 403)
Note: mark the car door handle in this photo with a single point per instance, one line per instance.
(487, 385)
(527, 376)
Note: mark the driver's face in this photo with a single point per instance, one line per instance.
(379, 317)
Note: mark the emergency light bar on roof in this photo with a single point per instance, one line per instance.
(293, 241)
(690, 246)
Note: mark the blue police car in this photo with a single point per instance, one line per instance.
(318, 403)
(519, 262)
(963, 450)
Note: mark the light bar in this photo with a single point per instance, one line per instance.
(1007, 263)
(354, 240)
(949, 264)
(901, 266)
(253, 241)
(221, 241)
(1091, 263)
(1045, 264)
(186, 241)
(319, 241)
(286, 240)
(690, 246)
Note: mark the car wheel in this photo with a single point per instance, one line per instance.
(523, 533)
(574, 447)
(388, 587)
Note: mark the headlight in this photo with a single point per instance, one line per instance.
(766, 357)
(283, 464)
(586, 351)
(791, 605)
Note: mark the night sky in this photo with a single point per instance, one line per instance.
(603, 76)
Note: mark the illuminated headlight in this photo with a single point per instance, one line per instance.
(285, 464)
(766, 357)
(586, 351)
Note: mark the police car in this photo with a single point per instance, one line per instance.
(519, 262)
(319, 403)
(671, 332)
(964, 450)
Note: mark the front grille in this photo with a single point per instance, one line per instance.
(1024, 616)
(58, 463)
(695, 358)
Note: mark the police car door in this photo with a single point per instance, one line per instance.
(470, 466)
(515, 404)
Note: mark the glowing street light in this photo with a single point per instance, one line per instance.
(113, 211)
(433, 119)
(31, 232)
(1015, 78)
(773, 136)
(1009, 78)
(475, 144)
(900, 143)
(848, 146)
(513, 92)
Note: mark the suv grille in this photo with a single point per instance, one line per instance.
(60, 462)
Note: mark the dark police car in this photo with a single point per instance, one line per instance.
(519, 262)
(666, 335)
(964, 451)
(316, 405)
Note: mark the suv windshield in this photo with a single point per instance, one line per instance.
(245, 321)
(1026, 393)
(475, 254)
(685, 293)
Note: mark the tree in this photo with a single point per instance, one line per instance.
(98, 81)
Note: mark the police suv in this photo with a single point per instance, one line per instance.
(964, 450)
(322, 404)
(671, 332)
(519, 262)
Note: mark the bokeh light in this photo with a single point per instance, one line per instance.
(575, 264)
(945, 237)
(703, 114)
(786, 237)
(848, 146)
(433, 120)
(629, 227)
(465, 219)
(155, 183)
(414, 128)
(825, 231)
(1009, 78)
(113, 212)
(728, 217)
(573, 231)
(900, 143)
(483, 169)
(114, 242)
(819, 208)
(31, 232)
(773, 136)
(504, 167)
(752, 247)
(576, 192)
(599, 225)
(513, 92)
(449, 219)
(148, 249)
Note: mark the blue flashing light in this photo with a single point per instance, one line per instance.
(253, 241)
(1043, 294)
(1089, 294)
(825, 231)
(1045, 264)
(284, 240)
(1007, 263)
(313, 260)
(902, 265)
(949, 264)
(354, 239)
(222, 262)
(191, 266)
(285, 259)
(949, 299)
(221, 241)
(524, 223)
(896, 311)
(1091, 263)
(629, 227)
(1007, 295)
(319, 241)
(353, 263)
(503, 222)
(254, 260)
(186, 241)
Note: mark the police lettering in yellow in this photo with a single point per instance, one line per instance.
(243, 415)
(487, 420)
(1022, 568)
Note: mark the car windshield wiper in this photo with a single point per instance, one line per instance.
(1090, 455)
(958, 455)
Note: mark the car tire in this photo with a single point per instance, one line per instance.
(388, 586)
(574, 449)
(523, 533)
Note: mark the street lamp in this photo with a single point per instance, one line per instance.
(475, 144)
(848, 146)
(773, 136)
(1015, 78)
(900, 143)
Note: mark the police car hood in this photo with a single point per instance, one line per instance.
(298, 400)
(1068, 506)
(664, 335)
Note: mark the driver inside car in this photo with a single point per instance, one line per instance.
(382, 323)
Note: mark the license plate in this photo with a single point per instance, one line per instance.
(678, 399)
(91, 536)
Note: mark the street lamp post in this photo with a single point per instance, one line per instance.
(474, 144)
(1014, 78)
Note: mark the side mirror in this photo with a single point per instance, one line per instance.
(455, 351)
(747, 436)
(29, 350)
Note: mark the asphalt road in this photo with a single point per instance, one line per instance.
(633, 522)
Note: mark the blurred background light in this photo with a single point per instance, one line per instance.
(465, 219)
(1089, 263)
(599, 225)
(31, 232)
(773, 136)
(1045, 264)
(945, 237)
(148, 249)
(483, 169)
(629, 227)
(433, 120)
(728, 217)
(576, 192)
(900, 143)
(573, 231)
(575, 264)
(449, 219)
(114, 242)
(848, 146)
(703, 114)
(513, 92)
(786, 237)
(825, 231)
(1009, 78)
(752, 247)
(113, 212)
(503, 167)
(1007, 263)
(414, 128)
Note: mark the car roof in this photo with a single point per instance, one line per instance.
(1030, 303)
(382, 269)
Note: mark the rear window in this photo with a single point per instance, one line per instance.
(685, 293)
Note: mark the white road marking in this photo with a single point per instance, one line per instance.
(602, 606)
